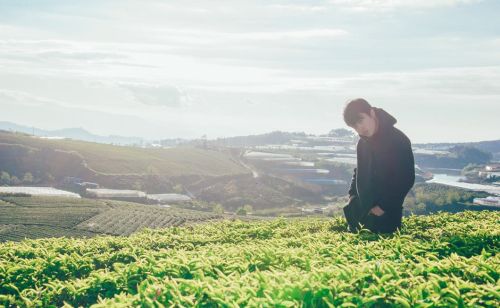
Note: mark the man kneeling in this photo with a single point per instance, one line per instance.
(385, 170)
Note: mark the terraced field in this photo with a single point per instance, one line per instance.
(442, 260)
(127, 221)
(20, 232)
(39, 217)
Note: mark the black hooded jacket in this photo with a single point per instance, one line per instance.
(385, 169)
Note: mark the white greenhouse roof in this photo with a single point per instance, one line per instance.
(169, 197)
(112, 193)
(38, 191)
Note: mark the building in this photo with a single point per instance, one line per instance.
(89, 185)
(77, 185)
(315, 210)
(117, 194)
(38, 191)
(489, 174)
(492, 168)
(168, 198)
(490, 201)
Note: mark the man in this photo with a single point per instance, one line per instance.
(385, 169)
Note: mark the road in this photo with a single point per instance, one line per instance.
(255, 174)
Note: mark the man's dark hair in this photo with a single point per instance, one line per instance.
(353, 110)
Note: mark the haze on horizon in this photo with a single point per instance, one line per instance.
(159, 69)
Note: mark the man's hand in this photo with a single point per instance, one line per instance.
(377, 211)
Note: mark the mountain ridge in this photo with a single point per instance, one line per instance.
(78, 133)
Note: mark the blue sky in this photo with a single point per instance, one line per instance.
(165, 69)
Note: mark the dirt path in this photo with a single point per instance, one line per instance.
(255, 174)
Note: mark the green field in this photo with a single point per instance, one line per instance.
(441, 260)
(110, 159)
(39, 217)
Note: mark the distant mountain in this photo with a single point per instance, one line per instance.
(286, 138)
(458, 157)
(13, 127)
(73, 133)
(492, 146)
(276, 137)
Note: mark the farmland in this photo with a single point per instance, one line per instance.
(440, 260)
(105, 159)
(209, 174)
(37, 217)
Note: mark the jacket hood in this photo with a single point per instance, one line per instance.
(385, 121)
(384, 117)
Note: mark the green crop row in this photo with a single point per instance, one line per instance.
(440, 260)
(36, 217)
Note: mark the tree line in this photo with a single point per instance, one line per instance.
(26, 179)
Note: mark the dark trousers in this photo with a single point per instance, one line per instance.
(388, 222)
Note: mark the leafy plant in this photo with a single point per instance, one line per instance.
(442, 260)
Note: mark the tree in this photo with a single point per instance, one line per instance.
(341, 132)
(440, 201)
(470, 170)
(471, 154)
(5, 178)
(178, 188)
(28, 178)
(452, 197)
(218, 208)
(14, 180)
(248, 208)
(241, 211)
(421, 207)
(152, 171)
(137, 185)
(49, 178)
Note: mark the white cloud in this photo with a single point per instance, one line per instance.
(24, 98)
(199, 36)
(237, 67)
(457, 81)
(158, 95)
(388, 5)
(41, 50)
(301, 34)
(299, 7)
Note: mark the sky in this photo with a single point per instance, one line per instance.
(183, 69)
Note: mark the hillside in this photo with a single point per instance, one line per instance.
(214, 174)
(443, 260)
(262, 192)
(109, 159)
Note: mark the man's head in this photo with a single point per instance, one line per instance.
(359, 115)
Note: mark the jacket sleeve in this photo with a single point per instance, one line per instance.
(402, 177)
(352, 189)
(406, 174)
